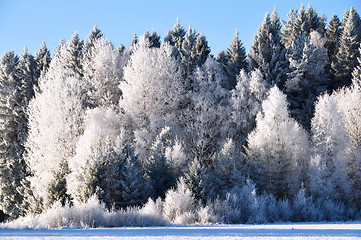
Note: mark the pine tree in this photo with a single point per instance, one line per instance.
(236, 55)
(267, 52)
(300, 22)
(42, 59)
(202, 49)
(176, 36)
(73, 56)
(356, 74)
(277, 149)
(158, 168)
(308, 61)
(189, 52)
(245, 102)
(346, 56)
(228, 171)
(153, 38)
(12, 166)
(332, 34)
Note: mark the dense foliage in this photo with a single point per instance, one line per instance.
(166, 132)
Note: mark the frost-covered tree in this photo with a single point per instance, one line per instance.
(102, 73)
(153, 38)
(332, 35)
(328, 170)
(267, 52)
(55, 124)
(245, 103)
(277, 149)
(307, 78)
(42, 59)
(347, 52)
(188, 51)
(348, 100)
(195, 179)
(161, 167)
(202, 49)
(12, 165)
(152, 93)
(356, 74)
(228, 171)
(176, 36)
(206, 116)
(236, 55)
(73, 55)
(300, 22)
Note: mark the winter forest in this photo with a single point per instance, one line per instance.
(163, 132)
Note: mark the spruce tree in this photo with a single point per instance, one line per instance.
(236, 55)
(153, 38)
(347, 53)
(202, 49)
(42, 59)
(189, 51)
(267, 52)
(300, 22)
(176, 36)
(73, 56)
(332, 34)
(12, 165)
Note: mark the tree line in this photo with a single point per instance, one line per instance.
(128, 124)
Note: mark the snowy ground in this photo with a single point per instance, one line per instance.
(270, 231)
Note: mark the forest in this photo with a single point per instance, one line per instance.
(163, 132)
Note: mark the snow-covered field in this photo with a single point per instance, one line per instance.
(305, 231)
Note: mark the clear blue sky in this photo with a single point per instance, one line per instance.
(29, 22)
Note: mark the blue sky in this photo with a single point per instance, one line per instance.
(29, 22)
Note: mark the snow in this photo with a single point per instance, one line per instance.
(305, 231)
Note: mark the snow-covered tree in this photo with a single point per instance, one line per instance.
(332, 35)
(102, 74)
(188, 51)
(277, 149)
(55, 124)
(300, 22)
(165, 162)
(42, 59)
(202, 49)
(356, 74)
(348, 100)
(347, 53)
(153, 38)
(228, 171)
(307, 78)
(267, 52)
(328, 170)
(236, 55)
(175, 36)
(152, 93)
(206, 116)
(12, 165)
(245, 103)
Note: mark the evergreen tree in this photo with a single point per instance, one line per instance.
(176, 36)
(12, 165)
(153, 38)
(228, 171)
(267, 52)
(202, 49)
(236, 55)
(277, 149)
(42, 59)
(300, 22)
(332, 34)
(158, 167)
(356, 74)
(307, 77)
(195, 180)
(245, 103)
(73, 56)
(189, 52)
(346, 56)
